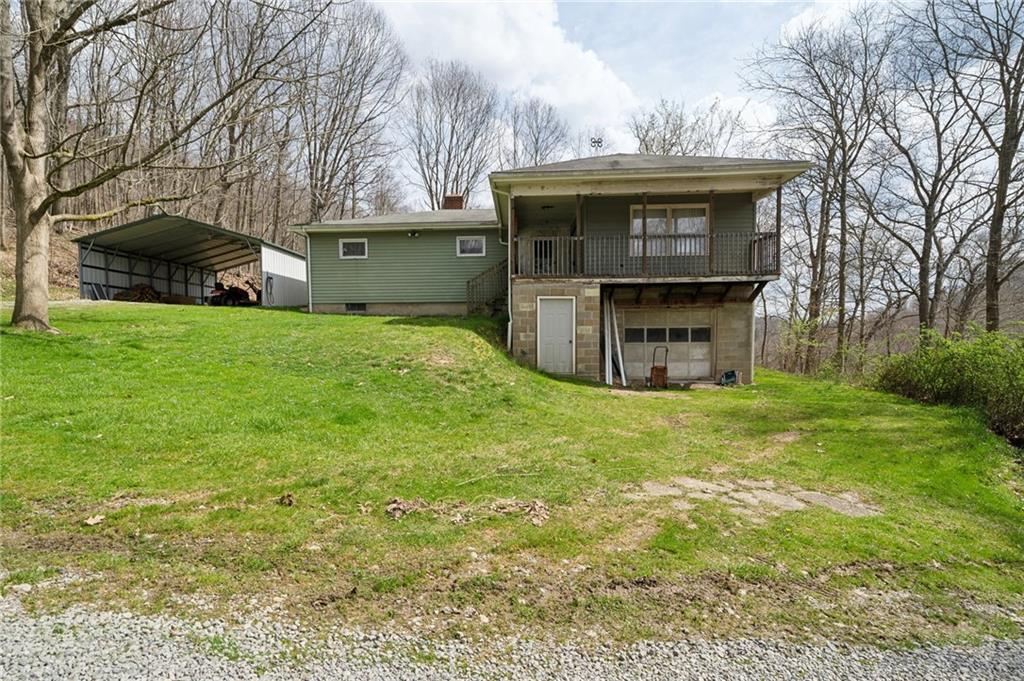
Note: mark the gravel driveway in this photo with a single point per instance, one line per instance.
(87, 644)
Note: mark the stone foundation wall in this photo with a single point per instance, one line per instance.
(734, 344)
(588, 321)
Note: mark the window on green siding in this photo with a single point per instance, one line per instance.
(676, 229)
(470, 246)
(352, 249)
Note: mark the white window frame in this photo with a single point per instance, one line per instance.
(668, 208)
(458, 242)
(341, 249)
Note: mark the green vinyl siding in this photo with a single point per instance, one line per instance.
(399, 268)
(609, 215)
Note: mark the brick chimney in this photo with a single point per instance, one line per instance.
(452, 202)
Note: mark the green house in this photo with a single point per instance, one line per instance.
(604, 265)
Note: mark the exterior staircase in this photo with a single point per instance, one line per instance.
(487, 292)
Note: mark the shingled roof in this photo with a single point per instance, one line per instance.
(624, 163)
(428, 219)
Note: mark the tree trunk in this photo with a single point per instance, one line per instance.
(32, 257)
(994, 254)
(843, 239)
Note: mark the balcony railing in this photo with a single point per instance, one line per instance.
(674, 255)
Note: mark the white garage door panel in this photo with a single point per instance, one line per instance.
(686, 360)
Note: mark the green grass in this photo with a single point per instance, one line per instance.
(183, 427)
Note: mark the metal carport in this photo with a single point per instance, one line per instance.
(175, 255)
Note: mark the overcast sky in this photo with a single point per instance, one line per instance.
(597, 62)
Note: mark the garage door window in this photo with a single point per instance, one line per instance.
(679, 335)
(700, 334)
(656, 335)
(634, 335)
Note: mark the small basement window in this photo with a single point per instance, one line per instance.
(470, 246)
(352, 249)
(355, 307)
(634, 335)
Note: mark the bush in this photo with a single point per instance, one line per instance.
(985, 372)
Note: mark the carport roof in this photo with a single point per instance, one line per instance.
(179, 240)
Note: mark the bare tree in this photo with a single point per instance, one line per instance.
(980, 46)
(825, 82)
(144, 130)
(448, 124)
(925, 168)
(348, 86)
(534, 134)
(671, 129)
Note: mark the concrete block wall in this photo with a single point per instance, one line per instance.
(588, 321)
(734, 334)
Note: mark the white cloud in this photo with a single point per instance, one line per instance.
(521, 47)
(821, 13)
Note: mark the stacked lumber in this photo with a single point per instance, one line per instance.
(140, 293)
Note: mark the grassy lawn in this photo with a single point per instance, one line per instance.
(183, 427)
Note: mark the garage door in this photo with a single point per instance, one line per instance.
(685, 332)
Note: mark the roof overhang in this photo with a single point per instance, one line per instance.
(179, 240)
(758, 179)
(398, 227)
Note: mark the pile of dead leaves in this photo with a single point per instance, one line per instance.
(535, 511)
(460, 512)
(397, 508)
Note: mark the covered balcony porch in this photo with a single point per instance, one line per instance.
(642, 237)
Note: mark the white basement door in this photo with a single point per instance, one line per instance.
(685, 332)
(555, 334)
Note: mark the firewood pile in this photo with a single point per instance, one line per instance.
(140, 293)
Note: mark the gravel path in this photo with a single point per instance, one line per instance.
(87, 644)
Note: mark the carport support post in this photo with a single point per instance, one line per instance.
(202, 286)
(106, 275)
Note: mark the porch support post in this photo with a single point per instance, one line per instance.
(579, 234)
(643, 234)
(778, 230)
(513, 236)
(711, 231)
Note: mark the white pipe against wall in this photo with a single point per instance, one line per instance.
(618, 344)
(607, 345)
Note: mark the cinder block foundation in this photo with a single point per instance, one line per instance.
(588, 321)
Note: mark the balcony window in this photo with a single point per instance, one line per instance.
(671, 230)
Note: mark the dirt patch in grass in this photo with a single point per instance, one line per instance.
(671, 394)
(440, 358)
(749, 498)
